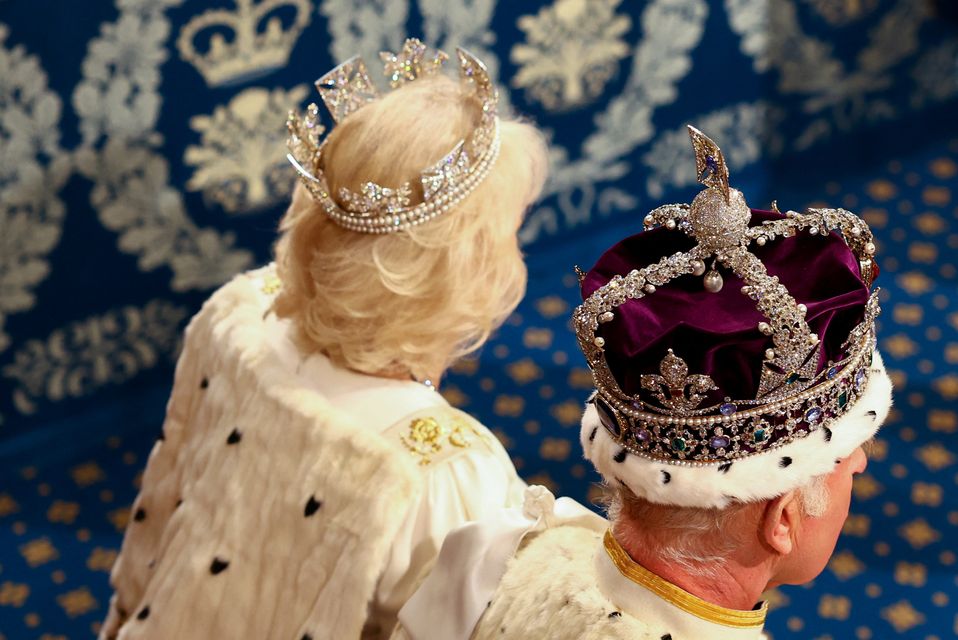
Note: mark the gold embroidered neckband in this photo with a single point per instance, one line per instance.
(678, 596)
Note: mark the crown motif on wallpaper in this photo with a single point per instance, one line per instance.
(665, 420)
(376, 208)
(254, 48)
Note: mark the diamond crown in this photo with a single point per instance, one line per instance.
(665, 420)
(250, 51)
(377, 208)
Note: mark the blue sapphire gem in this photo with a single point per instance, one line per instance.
(813, 415)
(832, 372)
(728, 409)
(859, 379)
(719, 442)
(711, 163)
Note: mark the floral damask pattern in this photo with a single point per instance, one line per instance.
(241, 159)
(33, 169)
(573, 50)
(87, 355)
(118, 104)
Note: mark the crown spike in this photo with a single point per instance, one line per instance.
(346, 88)
(473, 71)
(710, 166)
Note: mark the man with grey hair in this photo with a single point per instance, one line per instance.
(737, 379)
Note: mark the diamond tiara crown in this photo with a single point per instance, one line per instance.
(376, 208)
(664, 420)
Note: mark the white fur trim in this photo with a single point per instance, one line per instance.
(755, 478)
(550, 592)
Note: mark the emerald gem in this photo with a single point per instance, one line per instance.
(842, 399)
(760, 435)
(678, 444)
(792, 378)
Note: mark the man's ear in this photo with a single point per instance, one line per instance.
(780, 523)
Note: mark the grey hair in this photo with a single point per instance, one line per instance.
(698, 540)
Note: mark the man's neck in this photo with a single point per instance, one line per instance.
(730, 584)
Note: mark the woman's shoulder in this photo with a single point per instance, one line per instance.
(439, 434)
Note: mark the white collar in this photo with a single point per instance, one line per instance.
(662, 605)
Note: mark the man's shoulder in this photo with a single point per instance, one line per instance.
(550, 590)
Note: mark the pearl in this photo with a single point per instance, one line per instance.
(649, 220)
(670, 224)
(649, 288)
(813, 231)
(599, 341)
(770, 354)
(606, 317)
(761, 240)
(803, 308)
(870, 248)
(764, 327)
(698, 267)
(813, 339)
(714, 281)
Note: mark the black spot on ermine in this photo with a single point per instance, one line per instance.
(828, 434)
(666, 477)
(873, 414)
(139, 515)
(218, 566)
(615, 614)
(312, 506)
(144, 613)
(667, 636)
(784, 462)
(724, 467)
(592, 435)
(234, 436)
(620, 456)
(204, 383)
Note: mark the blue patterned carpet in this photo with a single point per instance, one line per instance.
(894, 573)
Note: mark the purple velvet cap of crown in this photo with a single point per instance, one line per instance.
(717, 333)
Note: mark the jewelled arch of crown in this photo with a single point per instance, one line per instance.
(665, 421)
(377, 208)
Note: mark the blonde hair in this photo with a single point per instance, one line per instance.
(696, 539)
(415, 301)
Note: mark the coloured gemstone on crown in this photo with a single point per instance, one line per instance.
(720, 442)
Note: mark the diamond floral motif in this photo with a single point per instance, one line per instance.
(675, 388)
(408, 65)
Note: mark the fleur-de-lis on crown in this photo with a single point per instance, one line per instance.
(675, 388)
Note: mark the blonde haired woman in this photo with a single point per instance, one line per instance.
(308, 470)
